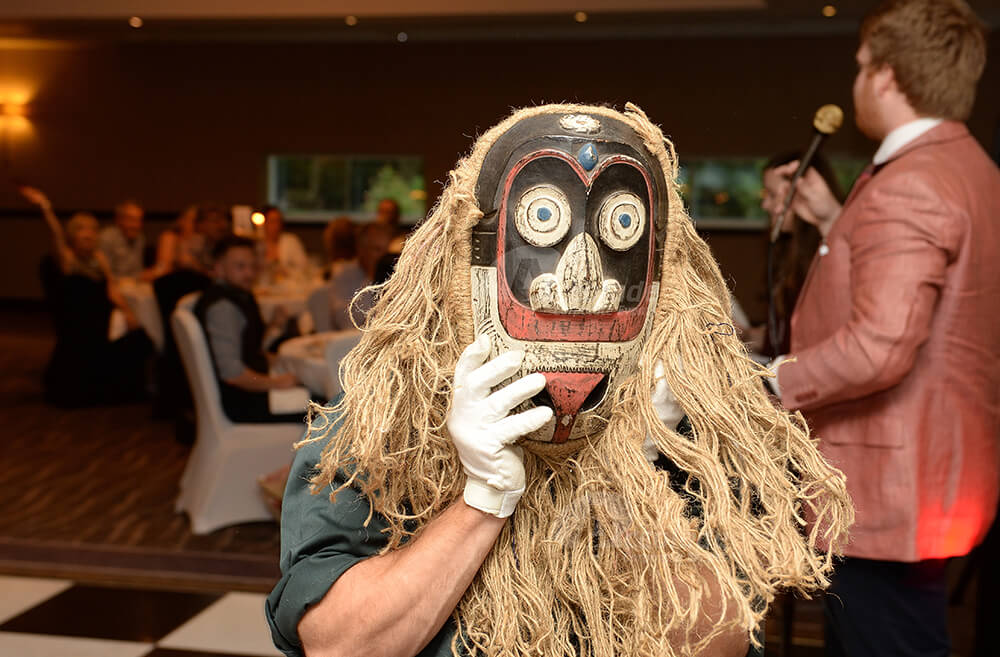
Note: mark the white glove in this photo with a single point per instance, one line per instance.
(666, 407)
(664, 402)
(483, 432)
(772, 381)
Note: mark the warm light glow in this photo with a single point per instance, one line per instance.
(351, 20)
(14, 125)
(829, 11)
(257, 218)
(580, 17)
(135, 22)
(418, 195)
(15, 94)
(14, 111)
(14, 108)
(721, 198)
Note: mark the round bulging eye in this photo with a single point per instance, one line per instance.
(621, 220)
(542, 215)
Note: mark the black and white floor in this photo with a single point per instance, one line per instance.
(58, 618)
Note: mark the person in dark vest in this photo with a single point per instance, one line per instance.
(238, 339)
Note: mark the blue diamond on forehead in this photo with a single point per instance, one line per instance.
(587, 156)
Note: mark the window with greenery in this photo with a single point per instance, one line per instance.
(726, 191)
(321, 187)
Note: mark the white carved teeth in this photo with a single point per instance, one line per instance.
(610, 298)
(546, 295)
(578, 286)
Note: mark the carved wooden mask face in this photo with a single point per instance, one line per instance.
(565, 262)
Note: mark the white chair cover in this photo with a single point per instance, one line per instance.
(336, 349)
(318, 305)
(219, 485)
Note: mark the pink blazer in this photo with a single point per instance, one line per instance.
(897, 342)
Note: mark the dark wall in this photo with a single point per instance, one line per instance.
(175, 124)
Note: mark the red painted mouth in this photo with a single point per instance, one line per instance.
(568, 391)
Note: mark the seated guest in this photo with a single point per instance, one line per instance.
(86, 368)
(182, 269)
(124, 244)
(372, 243)
(212, 223)
(339, 244)
(178, 247)
(283, 254)
(388, 213)
(238, 337)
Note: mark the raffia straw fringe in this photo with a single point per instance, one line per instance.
(600, 547)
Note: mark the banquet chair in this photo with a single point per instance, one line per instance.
(318, 305)
(219, 485)
(336, 348)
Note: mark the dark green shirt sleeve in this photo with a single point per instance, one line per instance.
(320, 540)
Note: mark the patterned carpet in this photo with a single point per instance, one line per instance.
(89, 493)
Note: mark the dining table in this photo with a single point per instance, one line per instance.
(140, 298)
(315, 359)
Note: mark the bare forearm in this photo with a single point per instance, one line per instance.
(58, 236)
(395, 603)
(117, 298)
(826, 222)
(730, 641)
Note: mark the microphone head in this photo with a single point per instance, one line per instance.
(828, 119)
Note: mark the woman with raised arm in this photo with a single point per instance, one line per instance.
(86, 367)
(76, 250)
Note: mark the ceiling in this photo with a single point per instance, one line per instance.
(241, 9)
(32, 21)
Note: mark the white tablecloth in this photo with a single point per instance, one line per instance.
(141, 299)
(306, 358)
(290, 296)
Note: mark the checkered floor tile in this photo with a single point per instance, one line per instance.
(55, 618)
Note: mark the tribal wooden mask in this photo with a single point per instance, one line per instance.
(566, 260)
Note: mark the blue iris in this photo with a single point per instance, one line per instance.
(544, 214)
(625, 219)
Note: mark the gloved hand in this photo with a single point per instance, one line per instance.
(772, 381)
(664, 402)
(483, 431)
(666, 407)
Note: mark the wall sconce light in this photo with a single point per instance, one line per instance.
(12, 109)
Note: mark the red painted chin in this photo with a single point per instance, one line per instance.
(568, 391)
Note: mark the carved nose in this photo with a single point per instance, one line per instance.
(580, 274)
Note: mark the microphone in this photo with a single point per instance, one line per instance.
(827, 121)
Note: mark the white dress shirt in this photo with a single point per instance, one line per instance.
(902, 136)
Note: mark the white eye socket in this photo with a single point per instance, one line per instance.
(542, 215)
(621, 221)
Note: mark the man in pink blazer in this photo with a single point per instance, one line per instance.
(895, 351)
